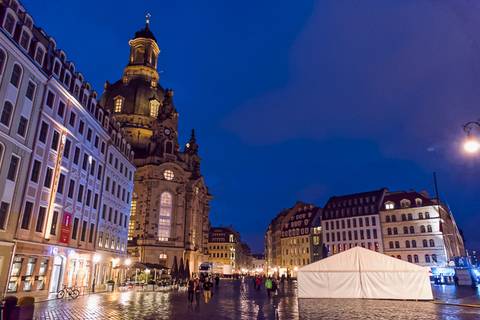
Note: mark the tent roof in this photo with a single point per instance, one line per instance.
(361, 259)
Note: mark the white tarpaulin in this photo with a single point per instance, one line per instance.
(363, 273)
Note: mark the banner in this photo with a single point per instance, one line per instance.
(66, 227)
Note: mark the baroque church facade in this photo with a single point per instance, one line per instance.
(170, 205)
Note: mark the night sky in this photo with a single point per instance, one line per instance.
(302, 100)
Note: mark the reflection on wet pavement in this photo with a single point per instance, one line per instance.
(239, 300)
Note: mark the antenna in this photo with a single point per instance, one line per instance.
(435, 184)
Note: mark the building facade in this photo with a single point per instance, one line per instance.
(353, 220)
(22, 85)
(273, 243)
(300, 238)
(417, 229)
(54, 236)
(223, 248)
(170, 205)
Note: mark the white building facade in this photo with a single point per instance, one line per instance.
(418, 230)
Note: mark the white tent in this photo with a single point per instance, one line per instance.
(362, 273)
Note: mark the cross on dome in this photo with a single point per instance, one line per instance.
(147, 18)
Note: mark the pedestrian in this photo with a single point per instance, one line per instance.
(197, 290)
(217, 280)
(207, 290)
(268, 285)
(258, 282)
(274, 286)
(191, 290)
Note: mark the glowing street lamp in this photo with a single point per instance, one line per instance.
(471, 144)
(128, 262)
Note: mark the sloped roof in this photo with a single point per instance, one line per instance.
(360, 259)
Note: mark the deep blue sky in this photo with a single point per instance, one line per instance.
(302, 100)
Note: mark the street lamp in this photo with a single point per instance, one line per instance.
(472, 143)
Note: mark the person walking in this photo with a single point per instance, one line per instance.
(274, 286)
(191, 290)
(258, 282)
(207, 290)
(196, 289)
(217, 281)
(268, 286)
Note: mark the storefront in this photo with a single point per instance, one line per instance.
(6, 252)
(41, 271)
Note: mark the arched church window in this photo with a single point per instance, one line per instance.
(118, 103)
(168, 147)
(154, 105)
(165, 216)
(168, 175)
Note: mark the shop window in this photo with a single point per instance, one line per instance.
(15, 275)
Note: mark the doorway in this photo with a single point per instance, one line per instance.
(57, 271)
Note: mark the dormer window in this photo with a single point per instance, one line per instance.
(67, 79)
(405, 203)
(76, 90)
(154, 105)
(56, 68)
(9, 23)
(389, 206)
(118, 104)
(39, 55)
(418, 202)
(25, 40)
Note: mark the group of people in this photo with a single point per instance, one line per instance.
(198, 284)
(270, 283)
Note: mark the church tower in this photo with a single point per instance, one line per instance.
(170, 208)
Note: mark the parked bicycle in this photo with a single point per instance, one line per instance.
(72, 292)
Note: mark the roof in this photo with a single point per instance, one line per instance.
(412, 196)
(145, 33)
(221, 234)
(300, 220)
(352, 205)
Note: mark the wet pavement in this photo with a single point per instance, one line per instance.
(238, 300)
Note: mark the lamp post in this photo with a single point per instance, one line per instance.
(472, 143)
(96, 259)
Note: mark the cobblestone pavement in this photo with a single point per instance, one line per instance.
(238, 300)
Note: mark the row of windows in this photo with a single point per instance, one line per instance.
(117, 190)
(404, 203)
(31, 280)
(348, 212)
(296, 251)
(411, 244)
(409, 230)
(119, 101)
(416, 260)
(107, 241)
(335, 248)
(222, 255)
(119, 165)
(349, 223)
(41, 216)
(297, 262)
(295, 241)
(114, 216)
(368, 234)
(407, 217)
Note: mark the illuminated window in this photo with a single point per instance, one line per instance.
(168, 175)
(389, 206)
(154, 105)
(162, 256)
(165, 216)
(118, 104)
(131, 224)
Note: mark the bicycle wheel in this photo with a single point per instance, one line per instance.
(60, 294)
(75, 293)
